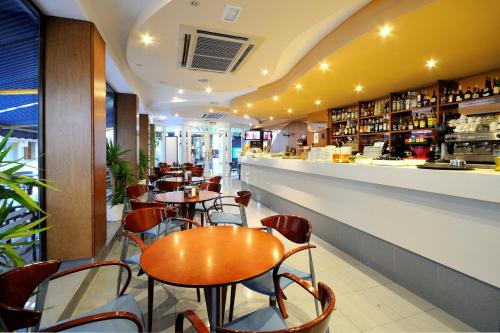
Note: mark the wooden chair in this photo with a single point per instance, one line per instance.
(165, 186)
(297, 230)
(199, 208)
(197, 172)
(169, 224)
(17, 286)
(271, 319)
(218, 216)
(134, 191)
(215, 179)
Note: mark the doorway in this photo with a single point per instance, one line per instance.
(209, 149)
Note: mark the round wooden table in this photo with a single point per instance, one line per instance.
(182, 180)
(177, 197)
(209, 258)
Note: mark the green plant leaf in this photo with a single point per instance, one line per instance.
(16, 259)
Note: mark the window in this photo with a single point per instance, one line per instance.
(110, 113)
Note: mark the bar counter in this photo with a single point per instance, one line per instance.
(426, 229)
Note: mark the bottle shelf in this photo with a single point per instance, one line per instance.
(342, 121)
(343, 136)
(413, 130)
(422, 109)
(368, 117)
(373, 133)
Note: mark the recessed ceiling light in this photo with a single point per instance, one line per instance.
(203, 80)
(177, 100)
(210, 110)
(290, 110)
(385, 31)
(162, 117)
(180, 91)
(358, 88)
(250, 125)
(246, 116)
(146, 39)
(264, 72)
(271, 118)
(208, 90)
(194, 3)
(431, 63)
(324, 66)
(249, 105)
(177, 115)
(317, 102)
(276, 98)
(235, 111)
(298, 86)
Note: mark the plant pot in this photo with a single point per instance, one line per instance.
(114, 213)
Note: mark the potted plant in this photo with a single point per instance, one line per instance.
(121, 175)
(12, 194)
(143, 166)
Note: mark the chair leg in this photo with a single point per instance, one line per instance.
(272, 301)
(198, 296)
(313, 280)
(202, 218)
(223, 298)
(123, 255)
(231, 302)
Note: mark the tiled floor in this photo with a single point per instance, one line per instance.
(366, 300)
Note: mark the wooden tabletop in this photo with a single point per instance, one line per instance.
(172, 172)
(178, 197)
(181, 179)
(211, 256)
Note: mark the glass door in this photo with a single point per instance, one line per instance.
(209, 150)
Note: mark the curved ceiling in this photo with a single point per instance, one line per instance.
(451, 31)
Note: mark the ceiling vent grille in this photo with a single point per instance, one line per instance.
(212, 116)
(203, 50)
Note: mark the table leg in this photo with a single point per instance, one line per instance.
(191, 210)
(212, 301)
(151, 286)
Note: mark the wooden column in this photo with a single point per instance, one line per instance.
(127, 106)
(152, 146)
(144, 133)
(75, 138)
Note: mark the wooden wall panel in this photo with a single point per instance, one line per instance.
(127, 106)
(318, 117)
(74, 118)
(144, 133)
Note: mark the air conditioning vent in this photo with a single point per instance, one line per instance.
(210, 51)
(213, 116)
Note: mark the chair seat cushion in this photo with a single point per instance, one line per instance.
(264, 284)
(133, 260)
(125, 303)
(225, 218)
(266, 319)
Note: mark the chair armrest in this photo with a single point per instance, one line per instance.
(14, 318)
(136, 239)
(295, 250)
(186, 221)
(198, 325)
(96, 265)
(279, 292)
(95, 318)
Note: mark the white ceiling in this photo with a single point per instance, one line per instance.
(288, 30)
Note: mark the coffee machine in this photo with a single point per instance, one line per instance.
(473, 147)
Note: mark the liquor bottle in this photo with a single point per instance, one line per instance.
(413, 100)
(468, 94)
(425, 99)
(416, 122)
(423, 121)
(433, 98)
(496, 87)
(444, 97)
(407, 101)
(410, 123)
(477, 92)
(451, 96)
(395, 125)
(398, 104)
(419, 99)
(460, 95)
(488, 90)
(430, 120)
(394, 101)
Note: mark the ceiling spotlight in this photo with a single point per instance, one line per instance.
(385, 31)
(298, 86)
(208, 90)
(246, 116)
(324, 66)
(177, 100)
(250, 125)
(264, 72)
(271, 118)
(290, 110)
(194, 3)
(431, 63)
(317, 102)
(210, 110)
(358, 88)
(180, 91)
(249, 105)
(162, 117)
(235, 111)
(146, 39)
(177, 115)
(276, 98)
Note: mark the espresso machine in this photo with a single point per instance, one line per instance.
(473, 147)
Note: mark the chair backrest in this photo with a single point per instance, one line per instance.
(143, 219)
(136, 190)
(295, 228)
(165, 186)
(214, 187)
(153, 178)
(215, 179)
(187, 164)
(16, 287)
(136, 204)
(197, 171)
(243, 198)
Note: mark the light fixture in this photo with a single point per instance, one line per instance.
(385, 31)
(358, 88)
(246, 116)
(210, 110)
(146, 39)
(264, 72)
(180, 91)
(162, 117)
(250, 125)
(290, 110)
(208, 90)
(249, 105)
(324, 66)
(271, 118)
(177, 100)
(235, 111)
(276, 98)
(431, 63)
(298, 86)
(177, 115)
(317, 102)
(194, 3)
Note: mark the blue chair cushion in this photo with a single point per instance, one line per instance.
(264, 284)
(133, 260)
(266, 319)
(225, 218)
(123, 303)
